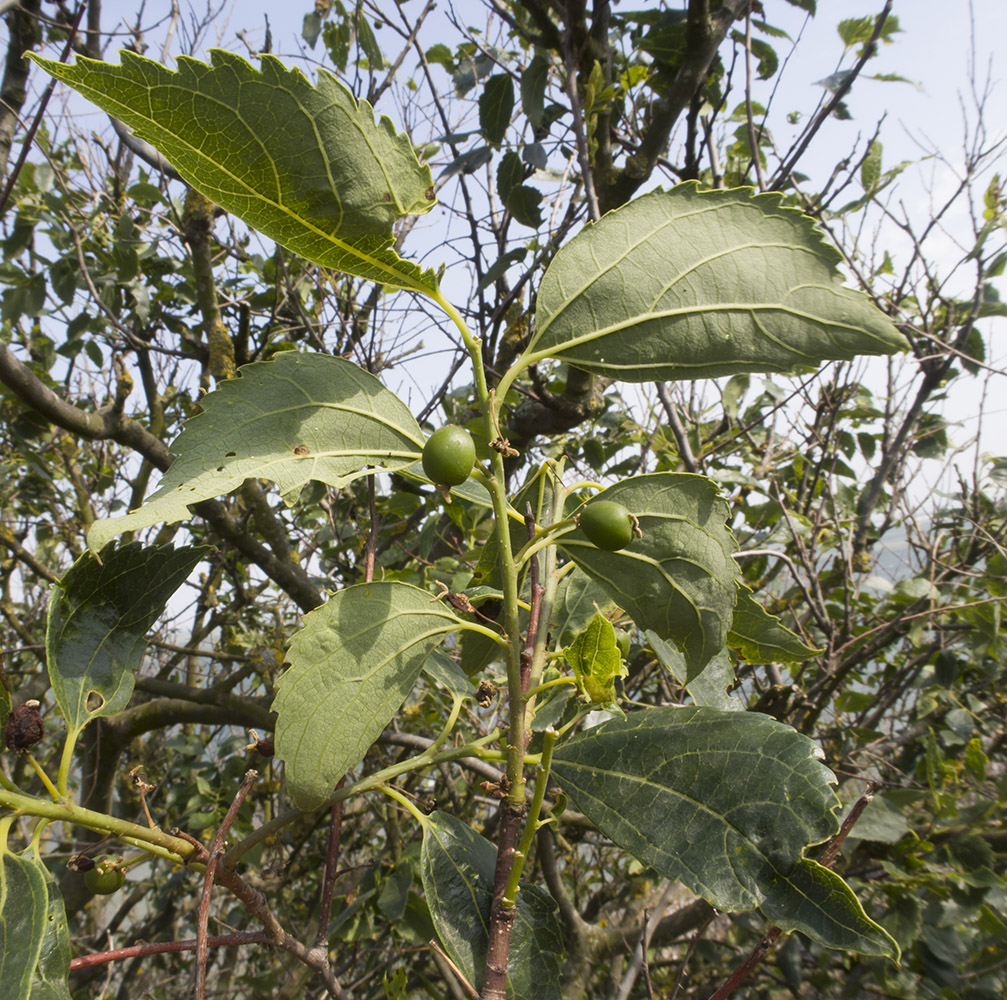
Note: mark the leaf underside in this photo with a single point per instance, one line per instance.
(352, 666)
(687, 284)
(99, 615)
(53, 968)
(305, 165)
(24, 903)
(296, 418)
(726, 803)
(457, 866)
(679, 578)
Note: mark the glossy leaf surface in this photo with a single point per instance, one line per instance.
(457, 867)
(306, 165)
(687, 284)
(725, 802)
(352, 666)
(99, 615)
(296, 418)
(679, 578)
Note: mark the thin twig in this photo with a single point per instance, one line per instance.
(445, 958)
(216, 853)
(162, 947)
(43, 104)
(753, 140)
(331, 865)
(681, 438)
(372, 535)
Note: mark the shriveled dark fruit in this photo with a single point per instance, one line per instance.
(448, 455)
(104, 883)
(607, 524)
(24, 728)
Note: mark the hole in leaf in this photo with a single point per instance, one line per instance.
(95, 701)
(230, 454)
(299, 449)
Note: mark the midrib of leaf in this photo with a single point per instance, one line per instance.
(534, 357)
(340, 408)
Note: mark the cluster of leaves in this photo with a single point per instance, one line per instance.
(905, 693)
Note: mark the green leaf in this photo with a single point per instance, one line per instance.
(578, 599)
(533, 84)
(870, 169)
(711, 686)
(523, 203)
(352, 666)
(725, 802)
(761, 637)
(311, 28)
(457, 866)
(24, 906)
(510, 174)
(307, 166)
(679, 578)
(446, 672)
(768, 60)
(53, 969)
(296, 418)
(99, 615)
(496, 103)
(687, 284)
(596, 661)
(367, 41)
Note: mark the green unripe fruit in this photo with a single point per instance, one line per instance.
(607, 524)
(103, 883)
(448, 455)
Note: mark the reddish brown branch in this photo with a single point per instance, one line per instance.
(502, 917)
(331, 865)
(162, 947)
(216, 852)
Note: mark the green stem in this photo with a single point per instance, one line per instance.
(5, 825)
(456, 707)
(66, 762)
(154, 840)
(531, 824)
(44, 778)
(496, 484)
(394, 793)
(550, 684)
(376, 780)
(543, 539)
